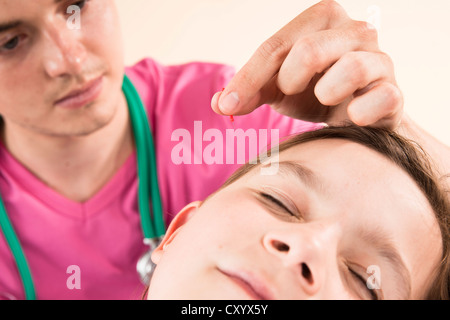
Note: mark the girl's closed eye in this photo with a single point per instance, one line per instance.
(279, 205)
(360, 286)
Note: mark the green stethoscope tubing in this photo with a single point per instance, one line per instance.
(16, 250)
(147, 170)
(152, 221)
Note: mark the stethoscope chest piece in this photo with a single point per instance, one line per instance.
(145, 265)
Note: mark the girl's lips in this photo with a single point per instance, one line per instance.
(81, 97)
(251, 284)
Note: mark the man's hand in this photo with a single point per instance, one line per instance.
(321, 67)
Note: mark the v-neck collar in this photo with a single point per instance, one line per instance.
(48, 196)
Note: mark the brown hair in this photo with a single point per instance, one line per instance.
(408, 156)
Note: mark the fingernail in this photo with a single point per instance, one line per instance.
(230, 103)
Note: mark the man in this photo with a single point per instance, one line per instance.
(68, 175)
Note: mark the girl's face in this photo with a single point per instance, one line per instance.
(338, 221)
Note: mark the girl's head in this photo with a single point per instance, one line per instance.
(352, 213)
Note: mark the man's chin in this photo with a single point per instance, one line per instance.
(72, 128)
(75, 130)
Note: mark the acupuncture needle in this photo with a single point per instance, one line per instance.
(231, 117)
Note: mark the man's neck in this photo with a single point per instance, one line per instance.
(76, 167)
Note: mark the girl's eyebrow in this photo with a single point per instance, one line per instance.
(304, 174)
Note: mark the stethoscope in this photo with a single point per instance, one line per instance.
(149, 199)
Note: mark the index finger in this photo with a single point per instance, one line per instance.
(243, 93)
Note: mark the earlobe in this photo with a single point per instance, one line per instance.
(175, 226)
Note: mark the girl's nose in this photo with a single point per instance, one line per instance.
(307, 249)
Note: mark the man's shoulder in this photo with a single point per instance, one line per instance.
(186, 88)
(151, 70)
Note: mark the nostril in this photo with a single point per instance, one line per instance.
(306, 273)
(280, 246)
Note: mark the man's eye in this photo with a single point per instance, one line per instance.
(80, 4)
(11, 44)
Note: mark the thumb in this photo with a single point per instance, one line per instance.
(242, 96)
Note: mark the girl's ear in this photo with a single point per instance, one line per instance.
(175, 226)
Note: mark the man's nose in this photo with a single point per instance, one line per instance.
(308, 249)
(64, 52)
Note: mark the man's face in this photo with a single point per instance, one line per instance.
(337, 217)
(45, 63)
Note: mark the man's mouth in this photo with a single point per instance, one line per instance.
(83, 95)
